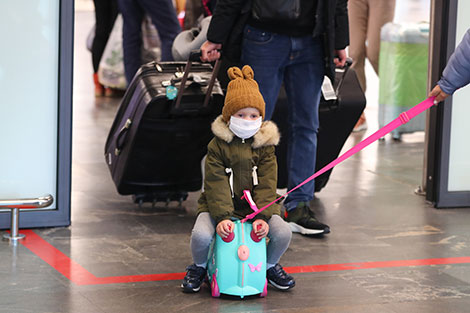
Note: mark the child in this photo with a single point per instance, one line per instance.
(240, 156)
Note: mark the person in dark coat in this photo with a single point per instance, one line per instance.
(297, 46)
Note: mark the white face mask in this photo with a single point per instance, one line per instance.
(244, 128)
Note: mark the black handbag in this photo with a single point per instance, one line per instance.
(276, 10)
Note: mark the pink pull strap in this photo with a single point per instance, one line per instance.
(403, 118)
(247, 197)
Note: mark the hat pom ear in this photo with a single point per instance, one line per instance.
(248, 72)
(234, 72)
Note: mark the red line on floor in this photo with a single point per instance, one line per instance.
(80, 276)
(74, 271)
(377, 264)
(52, 256)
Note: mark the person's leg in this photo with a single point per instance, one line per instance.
(99, 42)
(110, 17)
(380, 13)
(108, 20)
(266, 53)
(105, 14)
(279, 238)
(358, 11)
(104, 24)
(201, 238)
(132, 15)
(163, 15)
(113, 11)
(303, 79)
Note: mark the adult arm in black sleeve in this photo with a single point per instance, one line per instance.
(223, 20)
(341, 25)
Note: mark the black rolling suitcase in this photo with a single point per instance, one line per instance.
(337, 120)
(156, 143)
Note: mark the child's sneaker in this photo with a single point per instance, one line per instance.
(279, 278)
(194, 278)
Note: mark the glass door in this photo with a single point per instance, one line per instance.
(35, 107)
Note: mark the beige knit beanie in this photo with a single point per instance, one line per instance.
(242, 92)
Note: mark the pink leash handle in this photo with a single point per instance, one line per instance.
(403, 118)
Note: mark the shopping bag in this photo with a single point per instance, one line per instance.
(111, 68)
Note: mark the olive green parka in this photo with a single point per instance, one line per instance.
(233, 165)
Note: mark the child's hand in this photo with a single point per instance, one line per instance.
(261, 228)
(224, 228)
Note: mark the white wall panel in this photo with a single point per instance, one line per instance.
(29, 57)
(459, 155)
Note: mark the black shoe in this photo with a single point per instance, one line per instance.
(302, 220)
(279, 278)
(326, 228)
(194, 278)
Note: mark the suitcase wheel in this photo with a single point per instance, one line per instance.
(165, 197)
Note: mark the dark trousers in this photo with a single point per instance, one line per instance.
(105, 15)
(163, 16)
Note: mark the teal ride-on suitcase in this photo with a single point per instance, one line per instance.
(237, 264)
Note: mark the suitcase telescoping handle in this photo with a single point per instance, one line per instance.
(195, 56)
(331, 90)
(345, 69)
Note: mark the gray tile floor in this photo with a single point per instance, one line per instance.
(370, 204)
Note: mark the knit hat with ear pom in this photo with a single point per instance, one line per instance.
(242, 92)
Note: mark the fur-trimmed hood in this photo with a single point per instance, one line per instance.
(268, 134)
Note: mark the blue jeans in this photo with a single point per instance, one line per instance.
(163, 15)
(299, 63)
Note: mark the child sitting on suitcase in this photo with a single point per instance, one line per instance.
(240, 156)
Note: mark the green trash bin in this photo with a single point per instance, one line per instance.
(403, 72)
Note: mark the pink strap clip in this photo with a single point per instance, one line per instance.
(249, 199)
(404, 118)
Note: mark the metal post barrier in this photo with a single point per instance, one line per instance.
(15, 206)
